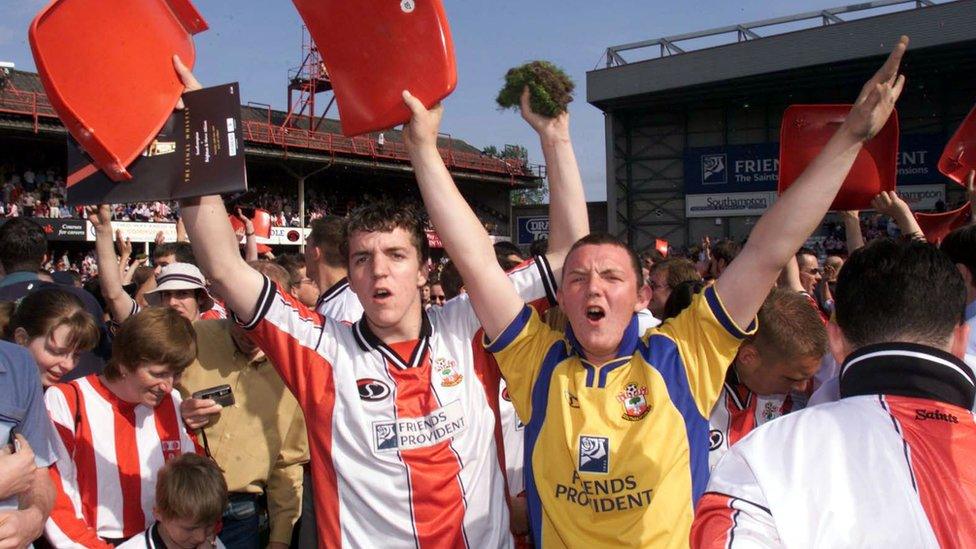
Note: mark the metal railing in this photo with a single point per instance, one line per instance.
(367, 147)
(32, 104)
(678, 44)
(36, 106)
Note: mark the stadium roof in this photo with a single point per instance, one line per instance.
(929, 27)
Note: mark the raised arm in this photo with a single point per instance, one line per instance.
(852, 230)
(782, 230)
(890, 204)
(250, 240)
(119, 304)
(218, 255)
(214, 242)
(493, 297)
(568, 219)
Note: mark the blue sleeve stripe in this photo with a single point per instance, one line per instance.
(540, 402)
(715, 304)
(511, 332)
(662, 354)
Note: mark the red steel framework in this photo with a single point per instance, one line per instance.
(36, 106)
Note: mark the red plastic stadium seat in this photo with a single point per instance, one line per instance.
(375, 50)
(107, 68)
(805, 131)
(937, 225)
(959, 156)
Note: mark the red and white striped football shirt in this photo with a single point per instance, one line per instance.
(109, 452)
(405, 439)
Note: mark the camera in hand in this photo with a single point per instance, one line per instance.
(221, 394)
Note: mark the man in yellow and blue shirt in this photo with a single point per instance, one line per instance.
(618, 446)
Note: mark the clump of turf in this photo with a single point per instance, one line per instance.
(550, 89)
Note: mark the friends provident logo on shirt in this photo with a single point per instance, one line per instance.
(420, 432)
(594, 454)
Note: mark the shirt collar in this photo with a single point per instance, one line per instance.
(368, 341)
(18, 277)
(910, 370)
(628, 344)
(971, 310)
(333, 291)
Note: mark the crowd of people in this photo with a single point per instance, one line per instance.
(576, 394)
(28, 191)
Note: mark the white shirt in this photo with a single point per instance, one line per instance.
(404, 452)
(340, 303)
(871, 470)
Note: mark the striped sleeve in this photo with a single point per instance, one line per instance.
(294, 338)
(67, 526)
(733, 513)
(725, 522)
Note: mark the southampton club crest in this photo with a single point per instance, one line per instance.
(448, 371)
(634, 401)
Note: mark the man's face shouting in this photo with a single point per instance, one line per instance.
(386, 272)
(599, 295)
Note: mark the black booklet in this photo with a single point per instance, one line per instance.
(199, 151)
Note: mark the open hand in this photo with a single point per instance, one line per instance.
(424, 124)
(100, 216)
(890, 204)
(877, 99)
(248, 224)
(124, 243)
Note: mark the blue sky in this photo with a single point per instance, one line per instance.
(255, 42)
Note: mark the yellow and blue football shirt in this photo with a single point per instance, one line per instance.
(617, 453)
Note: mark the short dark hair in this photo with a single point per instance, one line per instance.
(327, 234)
(22, 245)
(899, 290)
(726, 250)
(539, 247)
(681, 297)
(806, 251)
(599, 239)
(651, 256)
(142, 275)
(960, 246)
(43, 311)
(451, 280)
(385, 216)
(293, 264)
(504, 249)
(183, 252)
(678, 270)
